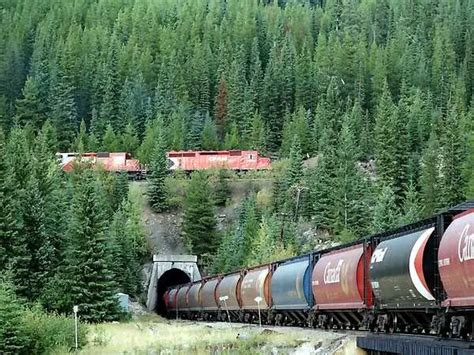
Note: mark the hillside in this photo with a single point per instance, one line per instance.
(364, 106)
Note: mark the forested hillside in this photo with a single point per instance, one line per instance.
(380, 93)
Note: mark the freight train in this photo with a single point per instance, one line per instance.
(188, 161)
(416, 279)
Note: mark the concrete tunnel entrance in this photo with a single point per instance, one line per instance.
(170, 278)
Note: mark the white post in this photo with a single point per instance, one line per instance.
(75, 309)
(224, 299)
(258, 300)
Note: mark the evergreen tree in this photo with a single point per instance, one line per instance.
(452, 150)
(157, 194)
(222, 188)
(429, 176)
(385, 140)
(110, 142)
(129, 139)
(30, 109)
(232, 138)
(89, 276)
(80, 143)
(209, 137)
(411, 209)
(119, 190)
(199, 221)
(9, 223)
(468, 167)
(13, 331)
(385, 213)
(63, 109)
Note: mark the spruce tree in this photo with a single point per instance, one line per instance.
(222, 188)
(199, 221)
(30, 109)
(209, 136)
(157, 193)
(13, 330)
(9, 223)
(80, 143)
(429, 176)
(468, 167)
(129, 139)
(411, 208)
(63, 109)
(110, 142)
(90, 279)
(385, 213)
(385, 140)
(452, 148)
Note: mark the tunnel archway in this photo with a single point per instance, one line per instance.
(169, 278)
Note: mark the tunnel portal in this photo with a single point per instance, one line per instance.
(169, 270)
(170, 278)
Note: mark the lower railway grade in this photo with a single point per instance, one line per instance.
(417, 280)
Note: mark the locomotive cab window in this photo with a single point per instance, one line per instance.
(251, 157)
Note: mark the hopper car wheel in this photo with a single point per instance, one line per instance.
(247, 318)
(393, 325)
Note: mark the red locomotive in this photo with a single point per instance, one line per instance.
(113, 162)
(241, 160)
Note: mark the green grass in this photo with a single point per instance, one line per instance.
(154, 335)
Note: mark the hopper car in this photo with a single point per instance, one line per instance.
(416, 279)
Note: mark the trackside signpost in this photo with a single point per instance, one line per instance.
(258, 300)
(224, 299)
(75, 309)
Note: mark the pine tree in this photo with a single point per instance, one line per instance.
(209, 136)
(351, 189)
(385, 140)
(221, 108)
(129, 139)
(63, 109)
(110, 142)
(119, 190)
(232, 138)
(222, 189)
(257, 138)
(9, 222)
(468, 167)
(89, 276)
(157, 193)
(452, 148)
(80, 143)
(385, 213)
(13, 331)
(429, 176)
(411, 208)
(30, 109)
(199, 221)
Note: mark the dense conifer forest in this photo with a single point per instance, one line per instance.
(378, 93)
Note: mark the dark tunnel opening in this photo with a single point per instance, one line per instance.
(170, 278)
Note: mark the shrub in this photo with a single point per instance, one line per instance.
(51, 331)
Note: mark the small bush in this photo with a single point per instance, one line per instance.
(50, 331)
